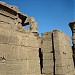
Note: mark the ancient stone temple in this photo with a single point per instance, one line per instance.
(24, 52)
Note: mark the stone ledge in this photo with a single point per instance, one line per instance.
(14, 8)
(25, 74)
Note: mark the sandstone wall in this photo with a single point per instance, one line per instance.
(7, 16)
(63, 54)
(57, 54)
(48, 63)
(25, 53)
(19, 52)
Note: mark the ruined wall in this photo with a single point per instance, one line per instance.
(63, 54)
(7, 16)
(57, 54)
(23, 52)
(48, 63)
(19, 52)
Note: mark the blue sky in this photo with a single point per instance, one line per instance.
(50, 14)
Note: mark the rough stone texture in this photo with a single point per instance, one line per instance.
(63, 54)
(19, 51)
(48, 64)
(23, 52)
(57, 54)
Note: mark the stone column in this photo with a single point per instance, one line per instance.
(72, 26)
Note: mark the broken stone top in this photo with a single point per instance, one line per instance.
(18, 17)
(56, 30)
(14, 8)
(11, 9)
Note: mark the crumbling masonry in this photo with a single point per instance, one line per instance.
(24, 52)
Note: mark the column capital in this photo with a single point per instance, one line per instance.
(72, 25)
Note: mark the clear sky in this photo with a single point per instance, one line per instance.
(50, 14)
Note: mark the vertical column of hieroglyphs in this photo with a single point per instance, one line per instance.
(63, 54)
(48, 63)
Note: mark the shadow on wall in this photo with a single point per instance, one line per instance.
(41, 59)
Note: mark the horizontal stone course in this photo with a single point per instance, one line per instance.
(23, 52)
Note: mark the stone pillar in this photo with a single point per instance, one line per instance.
(72, 26)
(63, 63)
(47, 50)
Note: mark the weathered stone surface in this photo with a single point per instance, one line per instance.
(57, 53)
(48, 63)
(63, 54)
(19, 49)
(24, 52)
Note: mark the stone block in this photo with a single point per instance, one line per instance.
(33, 67)
(47, 35)
(7, 19)
(4, 39)
(63, 53)
(48, 50)
(1, 51)
(21, 53)
(13, 67)
(10, 52)
(6, 26)
(57, 55)
(48, 66)
(48, 56)
(58, 70)
(58, 62)
(8, 39)
(47, 42)
(6, 13)
(48, 69)
(33, 53)
(32, 42)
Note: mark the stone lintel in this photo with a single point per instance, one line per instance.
(23, 17)
(8, 7)
(12, 9)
